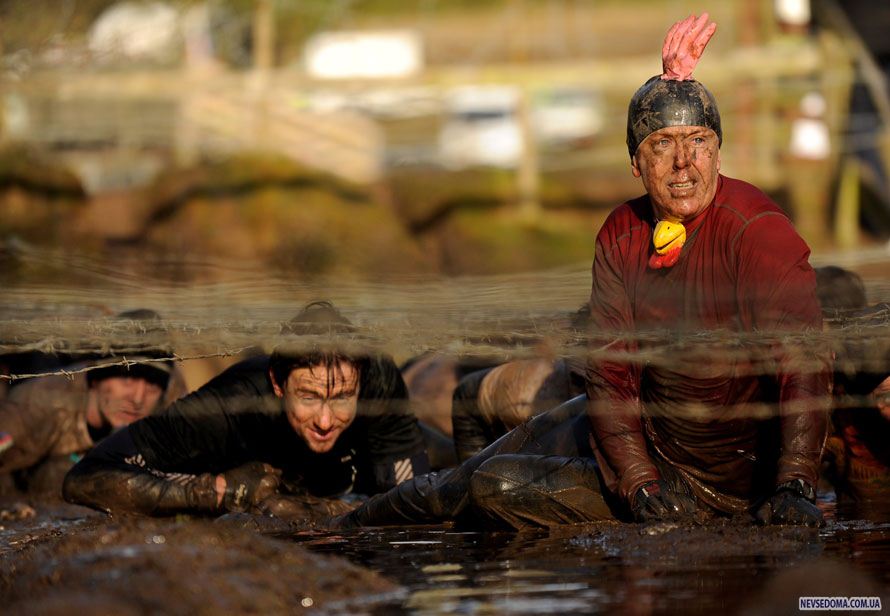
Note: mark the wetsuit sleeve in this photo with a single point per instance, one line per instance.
(114, 477)
(393, 449)
(470, 430)
(613, 381)
(776, 291)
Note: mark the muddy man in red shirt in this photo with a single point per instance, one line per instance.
(708, 386)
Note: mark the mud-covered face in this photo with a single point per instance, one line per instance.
(121, 400)
(679, 167)
(320, 402)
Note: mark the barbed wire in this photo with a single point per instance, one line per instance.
(70, 373)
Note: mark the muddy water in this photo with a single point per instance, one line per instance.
(727, 568)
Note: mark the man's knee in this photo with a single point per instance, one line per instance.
(520, 490)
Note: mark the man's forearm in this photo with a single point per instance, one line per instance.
(618, 434)
(805, 404)
(617, 428)
(805, 407)
(109, 487)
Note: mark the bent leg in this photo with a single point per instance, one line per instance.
(439, 497)
(520, 491)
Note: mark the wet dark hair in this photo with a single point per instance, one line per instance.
(319, 319)
(839, 290)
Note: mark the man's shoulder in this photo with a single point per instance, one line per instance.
(52, 390)
(627, 217)
(742, 202)
(252, 370)
(242, 388)
(381, 378)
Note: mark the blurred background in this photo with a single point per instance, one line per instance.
(153, 152)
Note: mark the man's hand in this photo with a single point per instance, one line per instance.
(657, 501)
(792, 503)
(304, 508)
(683, 46)
(241, 488)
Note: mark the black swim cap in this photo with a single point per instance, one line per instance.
(660, 103)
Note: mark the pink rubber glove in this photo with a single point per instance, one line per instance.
(683, 46)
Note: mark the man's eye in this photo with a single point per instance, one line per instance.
(698, 140)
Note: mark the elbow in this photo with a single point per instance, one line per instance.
(78, 488)
(72, 486)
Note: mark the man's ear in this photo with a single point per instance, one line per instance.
(634, 167)
(718, 159)
(275, 386)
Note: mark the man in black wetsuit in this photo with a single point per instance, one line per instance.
(268, 435)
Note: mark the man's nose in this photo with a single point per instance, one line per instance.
(137, 391)
(324, 420)
(681, 157)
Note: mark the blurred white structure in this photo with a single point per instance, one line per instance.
(565, 115)
(364, 54)
(481, 127)
(809, 132)
(140, 31)
(792, 12)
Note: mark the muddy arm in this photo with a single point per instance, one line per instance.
(31, 429)
(613, 385)
(110, 479)
(776, 290)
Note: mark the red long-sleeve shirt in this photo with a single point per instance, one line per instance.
(704, 376)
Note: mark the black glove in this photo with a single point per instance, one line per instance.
(792, 503)
(249, 484)
(659, 501)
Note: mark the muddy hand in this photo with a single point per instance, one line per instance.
(303, 508)
(658, 501)
(249, 484)
(683, 46)
(790, 505)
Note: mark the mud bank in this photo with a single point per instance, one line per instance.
(65, 558)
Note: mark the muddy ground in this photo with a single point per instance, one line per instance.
(65, 558)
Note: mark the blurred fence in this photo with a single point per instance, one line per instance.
(759, 81)
(191, 117)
